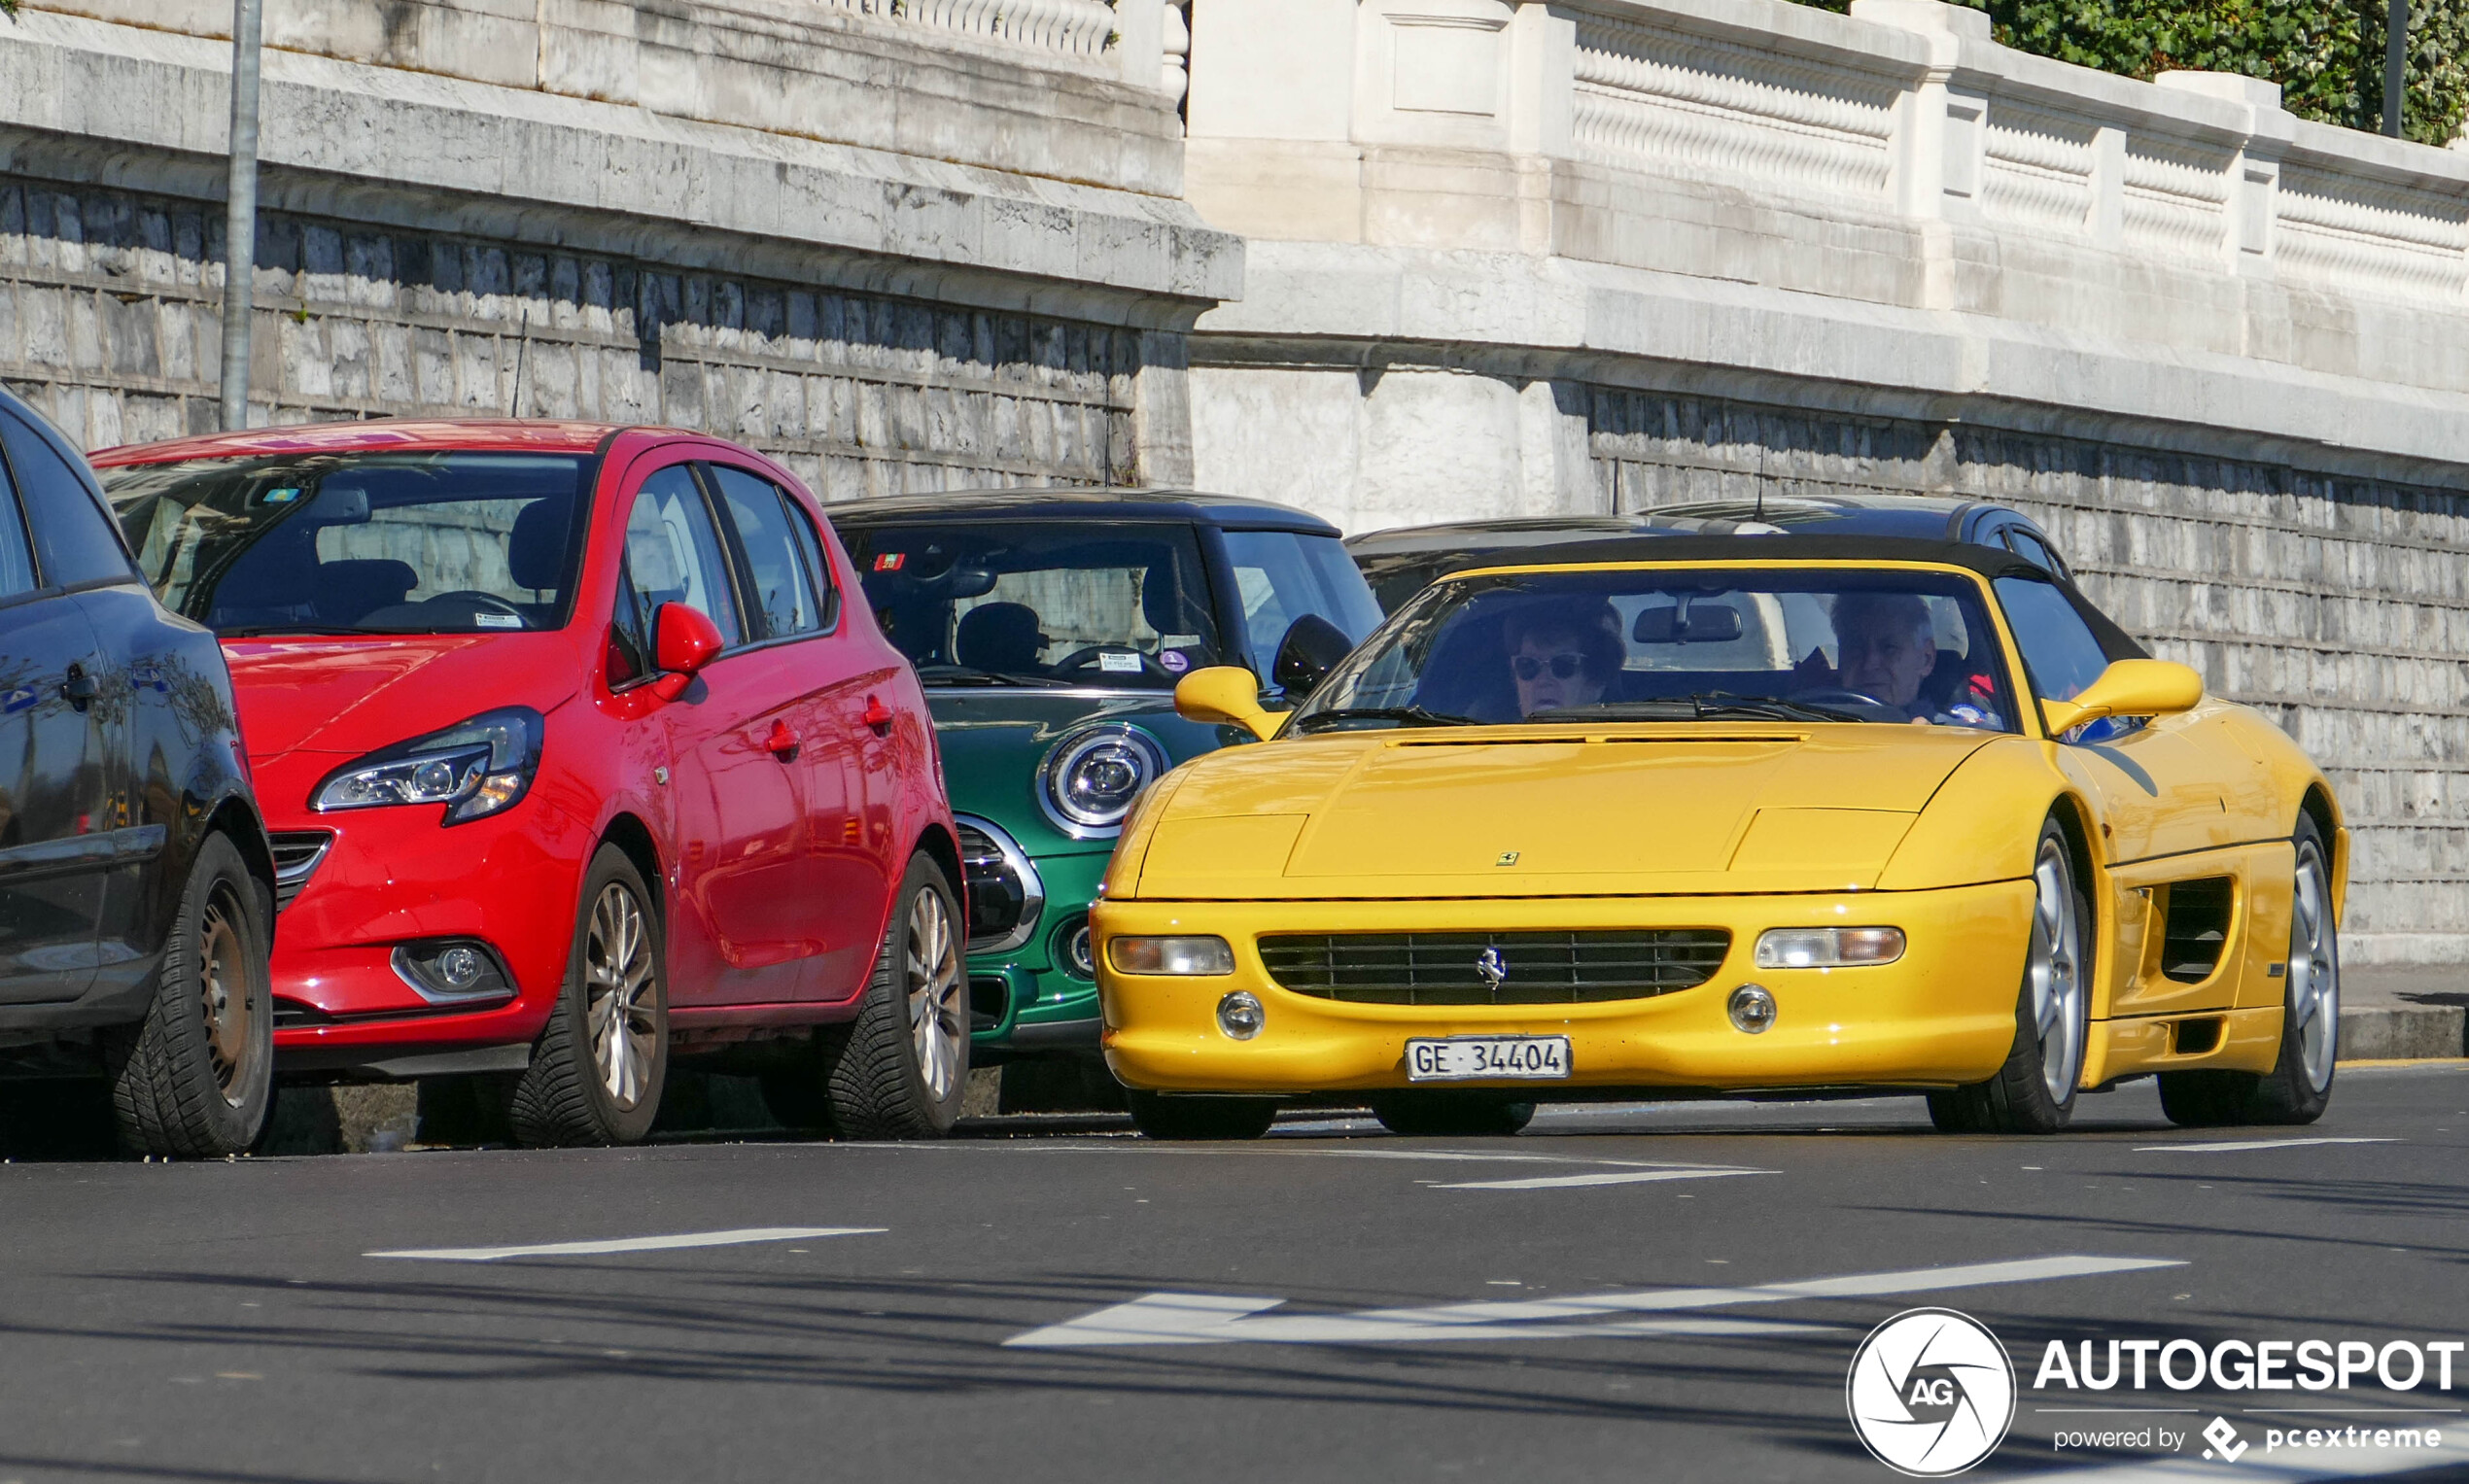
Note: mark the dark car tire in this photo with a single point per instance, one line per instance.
(195, 1078)
(581, 1088)
(2292, 1092)
(1168, 1116)
(900, 1069)
(2053, 1001)
(1435, 1113)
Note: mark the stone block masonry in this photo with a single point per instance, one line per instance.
(442, 243)
(110, 319)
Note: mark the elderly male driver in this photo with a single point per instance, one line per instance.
(1884, 645)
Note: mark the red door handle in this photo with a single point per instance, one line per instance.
(782, 742)
(878, 716)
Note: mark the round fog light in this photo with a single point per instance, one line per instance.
(1752, 1009)
(460, 967)
(1241, 1016)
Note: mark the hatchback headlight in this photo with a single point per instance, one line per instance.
(1091, 780)
(1171, 956)
(474, 768)
(1829, 947)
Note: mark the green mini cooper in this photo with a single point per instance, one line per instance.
(1049, 628)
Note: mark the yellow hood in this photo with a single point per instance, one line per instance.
(1507, 812)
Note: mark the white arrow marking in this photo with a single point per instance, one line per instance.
(2237, 1144)
(1217, 1318)
(739, 1237)
(1616, 1177)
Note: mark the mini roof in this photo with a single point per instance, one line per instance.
(1232, 512)
(1733, 551)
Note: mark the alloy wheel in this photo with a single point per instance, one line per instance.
(937, 1017)
(2314, 968)
(2057, 971)
(618, 995)
(223, 989)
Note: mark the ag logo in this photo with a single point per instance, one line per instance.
(1931, 1393)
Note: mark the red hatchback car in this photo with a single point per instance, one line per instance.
(571, 752)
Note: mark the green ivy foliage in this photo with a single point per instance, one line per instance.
(2326, 54)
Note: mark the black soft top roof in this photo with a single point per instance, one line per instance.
(1732, 550)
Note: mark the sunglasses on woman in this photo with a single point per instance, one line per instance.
(1563, 666)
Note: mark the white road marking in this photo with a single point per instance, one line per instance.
(1455, 1156)
(739, 1237)
(1217, 1318)
(2277, 1467)
(2226, 1146)
(1615, 1177)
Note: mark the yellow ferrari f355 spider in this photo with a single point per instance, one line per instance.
(1653, 817)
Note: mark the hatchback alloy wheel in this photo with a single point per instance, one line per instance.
(618, 963)
(938, 1007)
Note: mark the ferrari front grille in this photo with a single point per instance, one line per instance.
(1565, 968)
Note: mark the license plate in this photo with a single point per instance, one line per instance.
(1461, 1059)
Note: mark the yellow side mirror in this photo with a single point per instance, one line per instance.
(2128, 688)
(1226, 694)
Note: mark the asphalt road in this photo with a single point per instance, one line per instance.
(230, 1321)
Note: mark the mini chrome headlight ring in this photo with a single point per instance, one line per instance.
(1089, 782)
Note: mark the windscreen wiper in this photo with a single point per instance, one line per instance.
(1410, 716)
(1705, 706)
(970, 675)
(252, 631)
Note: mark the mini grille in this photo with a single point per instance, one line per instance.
(1534, 967)
(296, 853)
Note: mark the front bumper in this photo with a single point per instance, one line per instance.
(1023, 999)
(1942, 1015)
(392, 877)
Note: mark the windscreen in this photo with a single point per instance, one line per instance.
(1116, 603)
(1646, 645)
(359, 543)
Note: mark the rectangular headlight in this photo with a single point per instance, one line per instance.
(1171, 956)
(1829, 947)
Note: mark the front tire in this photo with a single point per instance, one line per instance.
(195, 1078)
(2299, 1087)
(599, 1065)
(1451, 1115)
(2035, 1091)
(900, 1069)
(1165, 1115)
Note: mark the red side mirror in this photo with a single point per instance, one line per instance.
(684, 640)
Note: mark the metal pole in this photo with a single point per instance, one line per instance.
(2395, 65)
(240, 219)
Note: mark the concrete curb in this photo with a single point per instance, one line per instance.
(2403, 1032)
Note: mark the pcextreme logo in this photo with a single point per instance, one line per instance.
(1931, 1393)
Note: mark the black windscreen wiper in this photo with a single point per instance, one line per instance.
(1705, 705)
(970, 675)
(251, 631)
(1410, 716)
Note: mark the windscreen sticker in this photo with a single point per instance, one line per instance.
(1114, 663)
(889, 561)
(497, 620)
(1175, 660)
(1179, 642)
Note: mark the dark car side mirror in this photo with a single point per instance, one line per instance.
(1311, 648)
(684, 640)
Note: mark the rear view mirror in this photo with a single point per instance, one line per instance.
(684, 640)
(1225, 695)
(1707, 623)
(1311, 648)
(340, 505)
(2128, 688)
